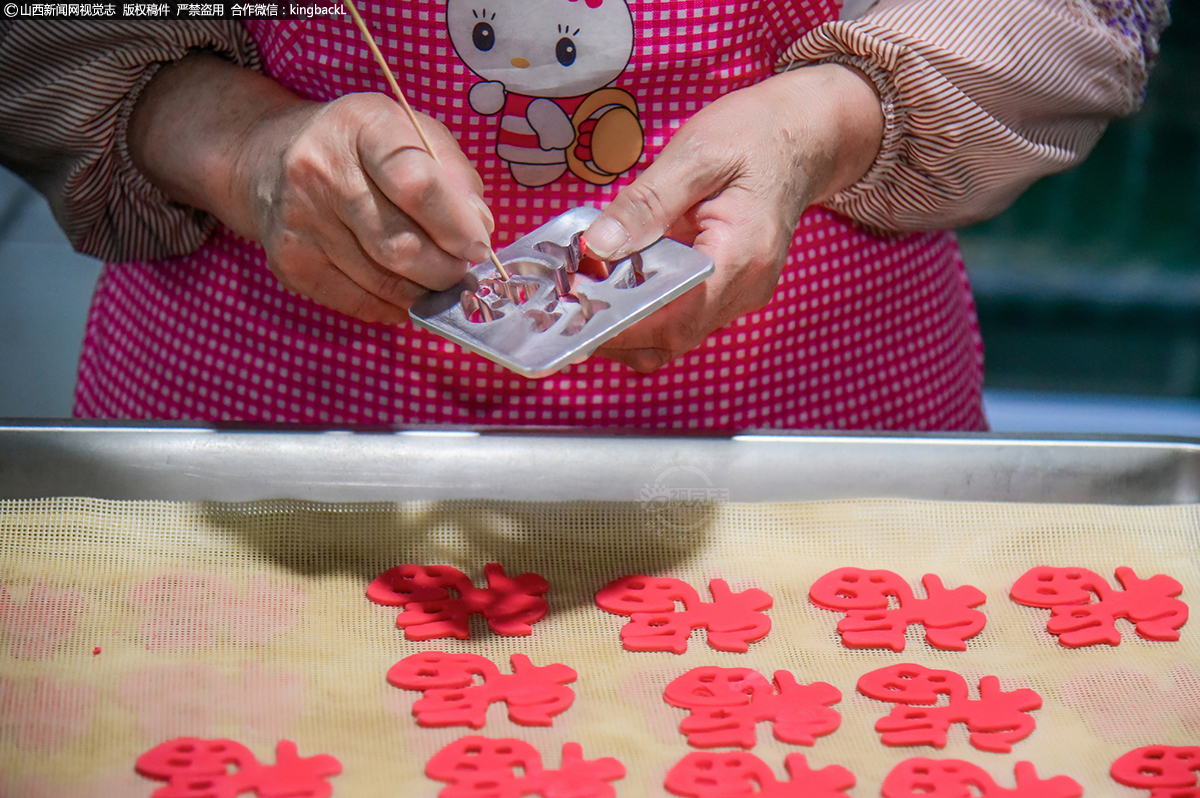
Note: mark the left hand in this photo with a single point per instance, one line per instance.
(732, 182)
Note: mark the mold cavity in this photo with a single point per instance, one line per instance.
(587, 308)
(541, 320)
(483, 305)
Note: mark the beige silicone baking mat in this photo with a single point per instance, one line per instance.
(126, 624)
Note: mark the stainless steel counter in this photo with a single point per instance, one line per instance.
(187, 462)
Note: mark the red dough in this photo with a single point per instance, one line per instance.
(704, 775)
(1167, 771)
(477, 767)
(451, 698)
(953, 778)
(1150, 604)
(426, 592)
(947, 615)
(733, 620)
(727, 703)
(195, 768)
(996, 720)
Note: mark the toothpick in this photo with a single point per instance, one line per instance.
(412, 117)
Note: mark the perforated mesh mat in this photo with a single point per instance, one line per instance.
(249, 621)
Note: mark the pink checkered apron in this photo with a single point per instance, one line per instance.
(863, 331)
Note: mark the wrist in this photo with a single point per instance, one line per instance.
(836, 108)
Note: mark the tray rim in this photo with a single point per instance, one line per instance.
(189, 461)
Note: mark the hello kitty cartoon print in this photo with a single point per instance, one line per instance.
(546, 67)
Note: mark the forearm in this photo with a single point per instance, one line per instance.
(197, 126)
(66, 91)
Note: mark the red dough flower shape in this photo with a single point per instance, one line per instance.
(1167, 771)
(1150, 604)
(451, 698)
(479, 767)
(996, 720)
(727, 703)
(733, 620)
(195, 767)
(947, 615)
(953, 778)
(708, 775)
(426, 592)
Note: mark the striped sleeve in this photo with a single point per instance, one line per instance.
(66, 91)
(981, 99)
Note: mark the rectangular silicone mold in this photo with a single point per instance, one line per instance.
(553, 311)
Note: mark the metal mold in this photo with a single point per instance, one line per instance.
(558, 306)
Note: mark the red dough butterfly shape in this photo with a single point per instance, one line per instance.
(733, 620)
(479, 767)
(953, 778)
(727, 703)
(731, 775)
(1167, 771)
(996, 720)
(1150, 604)
(948, 616)
(195, 768)
(451, 698)
(431, 610)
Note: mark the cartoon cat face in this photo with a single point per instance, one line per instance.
(543, 48)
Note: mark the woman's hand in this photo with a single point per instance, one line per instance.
(733, 182)
(350, 208)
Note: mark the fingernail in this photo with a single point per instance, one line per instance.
(485, 212)
(605, 237)
(478, 252)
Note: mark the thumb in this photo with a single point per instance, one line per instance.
(646, 208)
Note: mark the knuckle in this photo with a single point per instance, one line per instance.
(677, 340)
(398, 251)
(306, 173)
(302, 166)
(646, 361)
(417, 180)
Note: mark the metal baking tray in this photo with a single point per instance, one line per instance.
(181, 462)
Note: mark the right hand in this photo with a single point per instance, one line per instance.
(350, 208)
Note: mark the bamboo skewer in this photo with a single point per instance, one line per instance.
(412, 117)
